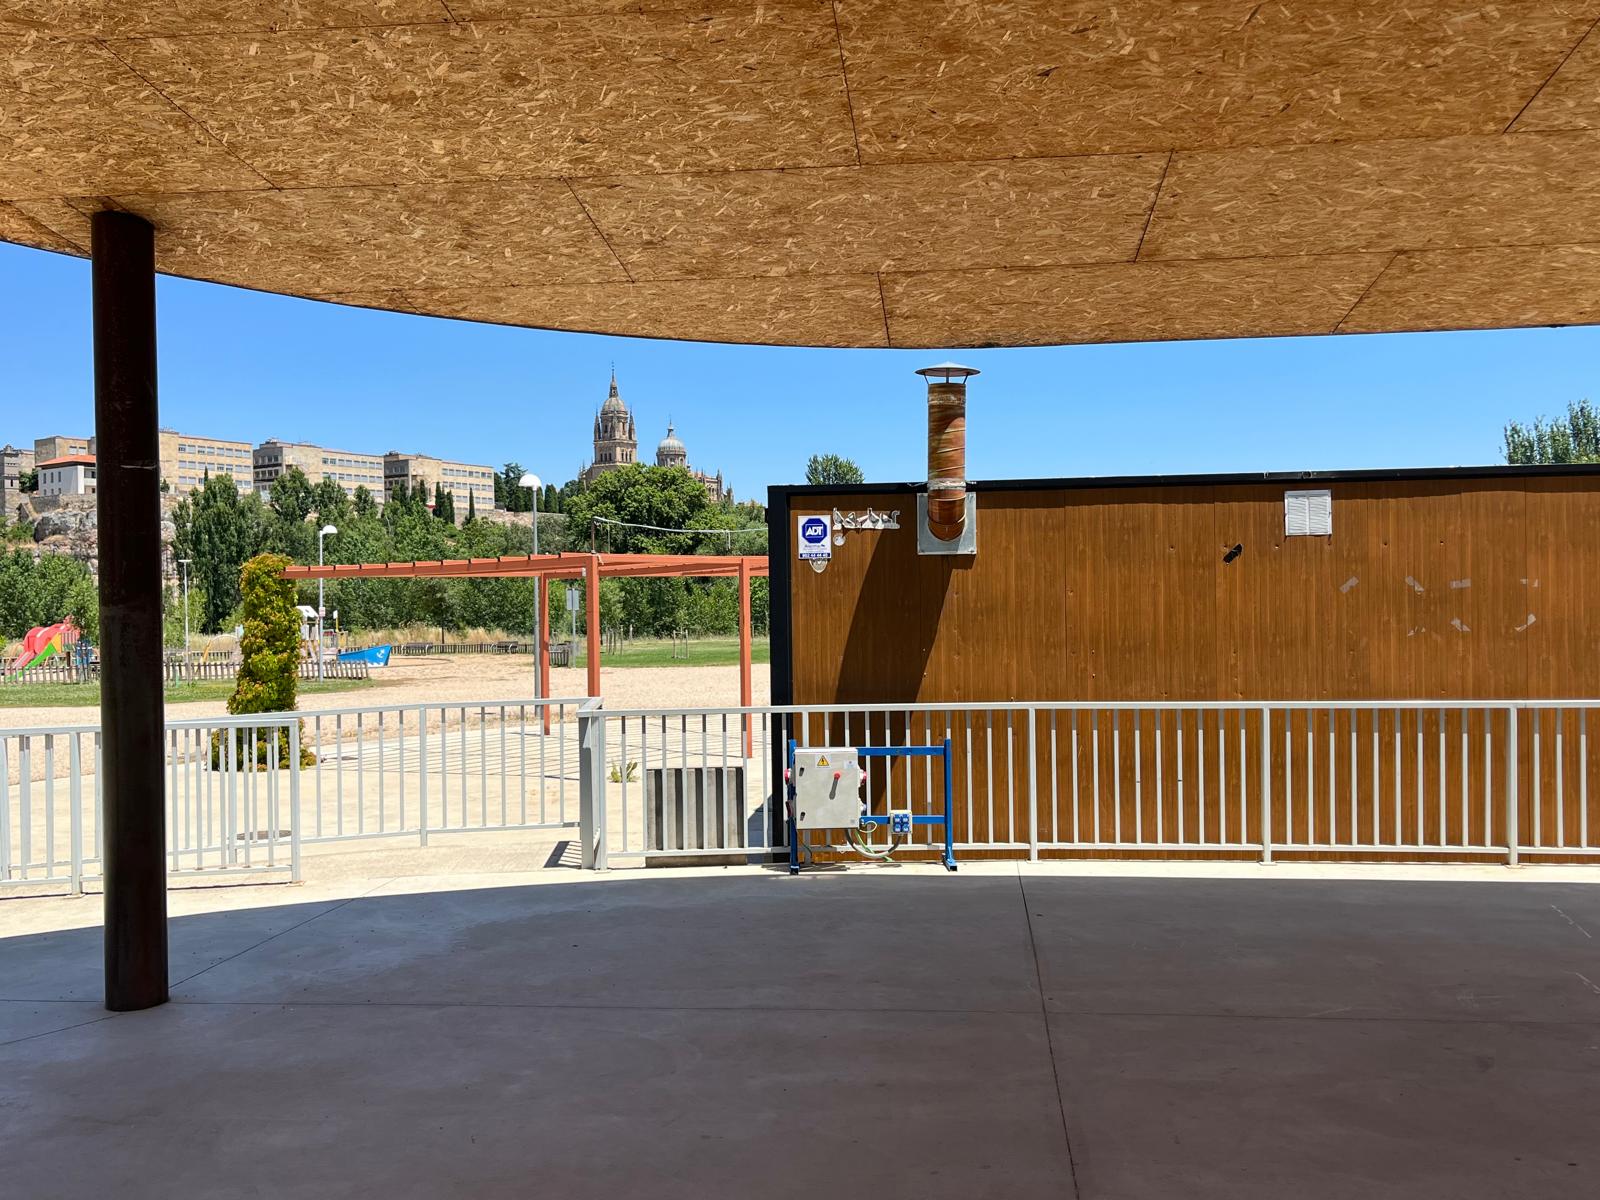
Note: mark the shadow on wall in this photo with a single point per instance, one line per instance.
(888, 647)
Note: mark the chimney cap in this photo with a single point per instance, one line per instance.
(948, 371)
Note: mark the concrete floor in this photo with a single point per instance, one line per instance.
(880, 1032)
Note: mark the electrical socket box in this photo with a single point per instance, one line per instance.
(900, 822)
(827, 787)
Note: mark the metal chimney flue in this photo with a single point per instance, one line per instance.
(947, 500)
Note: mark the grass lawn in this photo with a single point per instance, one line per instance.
(702, 652)
(87, 695)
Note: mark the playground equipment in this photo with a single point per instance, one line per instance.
(825, 793)
(44, 642)
(377, 656)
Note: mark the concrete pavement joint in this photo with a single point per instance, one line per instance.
(1320, 1018)
(588, 1006)
(298, 925)
(1573, 923)
(33, 1037)
(1049, 1036)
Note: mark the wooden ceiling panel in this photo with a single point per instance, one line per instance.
(498, 10)
(1012, 171)
(19, 227)
(118, 18)
(1126, 302)
(578, 96)
(813, 310)
(61, 218)
(1571, 100)
(1483, 289)
(947, 79)
(74, 119)
(1527, 188)
(310, 243)
(1037, 213)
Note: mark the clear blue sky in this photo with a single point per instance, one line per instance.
(252, 366)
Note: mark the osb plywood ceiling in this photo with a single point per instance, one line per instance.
(834, 172)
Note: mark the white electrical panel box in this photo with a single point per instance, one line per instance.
(827, 787)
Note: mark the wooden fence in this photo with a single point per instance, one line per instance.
(177, 672)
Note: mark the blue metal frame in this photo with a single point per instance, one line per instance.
(939, 751)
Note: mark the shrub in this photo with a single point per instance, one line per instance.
(269, 661)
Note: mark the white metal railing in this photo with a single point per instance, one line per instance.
(418, 770)
(1453, 780)
(232, 801)
(244, 794)
(1437, 780)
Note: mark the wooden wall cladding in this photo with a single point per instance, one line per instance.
(1425, 590)
(1428, 589)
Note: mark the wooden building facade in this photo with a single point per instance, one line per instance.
(1432, 585)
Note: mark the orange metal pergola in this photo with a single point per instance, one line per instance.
(593, 568)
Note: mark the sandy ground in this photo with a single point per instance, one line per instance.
(449, 678)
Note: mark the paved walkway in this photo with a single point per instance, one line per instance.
(877, 1032)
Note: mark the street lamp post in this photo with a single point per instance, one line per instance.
(325, 531)
(534, 483)
(184, 563)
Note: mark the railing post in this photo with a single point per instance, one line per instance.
(592, 786)
(1512, 806)
(1266, 785)
(1033, 786)
(294, 800)
(422, 767)
(75, 795)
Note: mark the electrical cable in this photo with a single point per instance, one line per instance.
(865, 849)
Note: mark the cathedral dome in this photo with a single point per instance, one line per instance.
(613, 402)
(670, 452)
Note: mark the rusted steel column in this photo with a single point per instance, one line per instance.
(744, 648)
(591, 583)
(128, 504)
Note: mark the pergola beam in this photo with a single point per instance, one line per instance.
(545, 566)
(592, 568)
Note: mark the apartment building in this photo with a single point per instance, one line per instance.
(69, 475)
(60, 445)
(459, 479)
(14, 464)
(349, 469)
(186, 460)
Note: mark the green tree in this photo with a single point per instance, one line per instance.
(27, 481)
(513, 497)
(444, 504)
(832, 469)
(46, 591)
(362, 505)
(331, 503)
(550, 501)
(219, 530)
(292, 496)
(666, 497)
(472, 507)
(269, 658)
(1573, 440)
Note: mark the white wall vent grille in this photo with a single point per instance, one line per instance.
(1307, 514)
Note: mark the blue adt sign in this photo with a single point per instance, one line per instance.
(816, 537)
